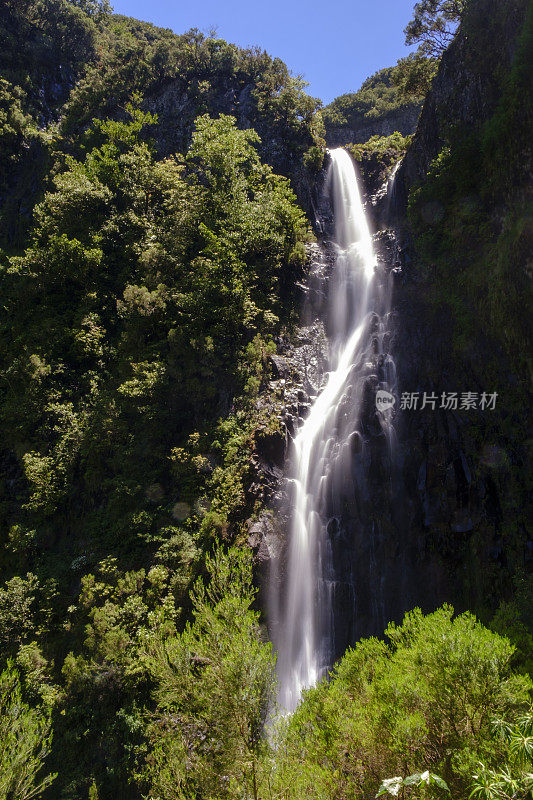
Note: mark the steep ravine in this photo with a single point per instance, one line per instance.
(382, 561)
(451, 525)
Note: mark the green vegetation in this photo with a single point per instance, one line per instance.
(144, 279)
(514, 780)
(425, 697)
(153, 705)
(148, 263)
(378, 155)
(25, 736)
(434, 25)
(137, 57)
(72, 61)
(378, 100)
(414, 75)
(143, 276)
(215, 683)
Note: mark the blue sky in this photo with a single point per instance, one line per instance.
(334, 44)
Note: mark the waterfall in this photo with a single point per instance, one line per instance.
(329, 439)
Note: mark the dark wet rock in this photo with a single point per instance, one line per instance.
(462, 522)
(496, 552)
(255, 535)
(303, 409)
(290, 424)
(356, 442)
(279, 366)
(263, 555)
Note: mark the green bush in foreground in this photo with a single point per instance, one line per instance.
(422, 700)
(25, 737)
(215, 682)
(514, 779)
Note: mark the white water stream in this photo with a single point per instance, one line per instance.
(324, 443)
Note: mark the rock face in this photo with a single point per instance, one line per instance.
(467, 87)
(297, 374)
(402, 120)
(459, 467)
(456, 465)
(177, 107)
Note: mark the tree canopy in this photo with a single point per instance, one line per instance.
(434, 25)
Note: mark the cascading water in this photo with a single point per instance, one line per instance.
(324, 447)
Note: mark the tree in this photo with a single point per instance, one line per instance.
(432, 28)
(25, 738)
(15, 127)
(434, 25)
(215, 683)
(17, 606)
(97, 9)
(414, 75)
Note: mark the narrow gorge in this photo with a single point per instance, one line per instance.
(315, 603)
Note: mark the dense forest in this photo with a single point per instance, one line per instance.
(161, 202)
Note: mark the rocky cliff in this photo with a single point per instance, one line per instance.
(462, 303)
(468, 86)
(377, 109)
(80, 70)
(360, 130)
